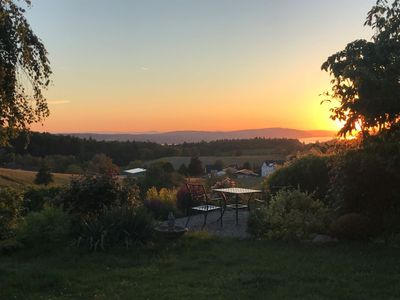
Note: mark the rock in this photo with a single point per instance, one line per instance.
(324, 239)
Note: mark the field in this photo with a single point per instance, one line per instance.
(202, 267)
(257, 160)
(19, 178)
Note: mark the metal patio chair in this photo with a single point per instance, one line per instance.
(204, 202)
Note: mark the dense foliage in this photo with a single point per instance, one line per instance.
(10, 211)
(118, 226)
(48, 227)
(160, 175)
(90, 195)
(352, 226)
(366, 74)
(35, 199)
(367, 180)
(161, 202)
(184, 200)
(291, 215)
(308, 173)
(23, 58)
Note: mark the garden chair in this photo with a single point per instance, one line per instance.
(204, 202)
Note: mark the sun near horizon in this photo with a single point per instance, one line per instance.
(139, 66)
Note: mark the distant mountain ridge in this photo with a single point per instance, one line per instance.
(189, 136)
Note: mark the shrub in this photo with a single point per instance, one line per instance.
(101, 164)
(159, 175)
(89, 195)
(118, 226)
(290, 215)
(161, 203)
(35, 199)
(366, 181)
(352, 227)
(49, 226)
(184, 200)
(10, 211)
(309, 174)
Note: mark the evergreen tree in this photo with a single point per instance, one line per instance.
(44, 175)
(195, 167)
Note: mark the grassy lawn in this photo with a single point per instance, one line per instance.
(19, 178)
(200, 267)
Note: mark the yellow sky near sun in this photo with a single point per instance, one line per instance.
(248, 99)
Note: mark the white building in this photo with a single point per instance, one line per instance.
(267, 169)
(135, 172)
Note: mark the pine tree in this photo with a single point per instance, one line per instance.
(44, 175)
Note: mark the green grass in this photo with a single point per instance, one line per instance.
(20, 178)
(200, 267)
(177, 161)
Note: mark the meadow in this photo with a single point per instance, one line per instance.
(200, 267)
(20, 178)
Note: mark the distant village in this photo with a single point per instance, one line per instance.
(267, 168)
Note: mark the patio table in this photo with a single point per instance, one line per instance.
(237, 192)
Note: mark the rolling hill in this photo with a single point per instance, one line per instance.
(178, 137)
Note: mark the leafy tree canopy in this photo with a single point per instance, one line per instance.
(366, 75)
(24, 71)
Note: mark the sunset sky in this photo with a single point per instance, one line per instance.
(130, 66)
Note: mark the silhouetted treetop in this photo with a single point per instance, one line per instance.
(366, 75)
(24, 71)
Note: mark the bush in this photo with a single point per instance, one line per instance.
(90, 195)
(10, 211)
(118, 226)
(35, 199)
(184, 200)
(352, 227)
(161, 203)
(160, 175)
(290, 215)
(49, 226)
(309, 174)
(101, 164)
(366, 181)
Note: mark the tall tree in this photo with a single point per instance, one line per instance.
(195, 167)
(219, 165)
(44, 176)
(103, 165)
(366, 75)
(24, 71)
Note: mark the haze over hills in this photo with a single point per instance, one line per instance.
(178, 137)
